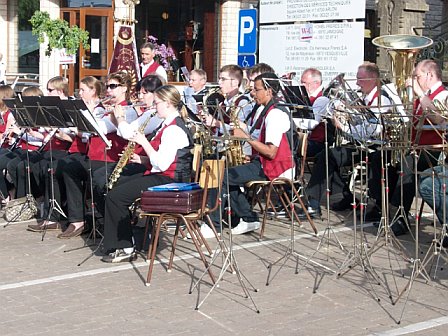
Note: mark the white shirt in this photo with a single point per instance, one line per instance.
(173, 139)
(159, 71)
(277, 123)
(127, 130)
(362, 128)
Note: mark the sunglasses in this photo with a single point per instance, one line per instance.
(112, 86)
(50, 90)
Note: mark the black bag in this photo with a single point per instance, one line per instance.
(21, 209)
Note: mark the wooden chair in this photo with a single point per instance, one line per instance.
(211, 176)
(261, 191)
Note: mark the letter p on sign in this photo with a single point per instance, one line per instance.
(247, 32)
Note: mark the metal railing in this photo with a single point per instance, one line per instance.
(438, 51)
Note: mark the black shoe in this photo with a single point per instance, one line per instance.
(343, 204)
(399, 227)
(278, 211)
(313, 212)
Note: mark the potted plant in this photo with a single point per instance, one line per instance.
(58, 34)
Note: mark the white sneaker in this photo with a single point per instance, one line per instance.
(206, 231)
(244, 227)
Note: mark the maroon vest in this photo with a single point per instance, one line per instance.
(97, 148)
(282, 160)
(318, 132)
(3, 129)
(152, 69)
(427, 137)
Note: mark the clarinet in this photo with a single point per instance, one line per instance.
(127, 153)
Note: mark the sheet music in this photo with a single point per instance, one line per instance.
(91, 119)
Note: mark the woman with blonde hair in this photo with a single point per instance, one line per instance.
(167, 157)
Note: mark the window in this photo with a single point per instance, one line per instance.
(86, 3)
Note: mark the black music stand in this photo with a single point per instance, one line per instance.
(85, 122)
(296, 95)
(25, 121)
(48, 112)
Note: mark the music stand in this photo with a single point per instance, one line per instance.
(297, 95)
(25, 121)
(86, 122)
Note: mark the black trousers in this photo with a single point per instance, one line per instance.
(75, 176)
(237, 177)
(425, 160)
(117, 219)
(18, 170)
(5, 156)
(52, 181)
(338, 157)
(101, 177)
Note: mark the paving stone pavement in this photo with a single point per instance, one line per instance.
(44, 292)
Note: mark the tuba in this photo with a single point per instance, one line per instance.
(403, 51)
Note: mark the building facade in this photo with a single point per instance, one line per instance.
(202, 32)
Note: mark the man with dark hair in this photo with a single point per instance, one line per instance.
(149, 65)
(271, 155)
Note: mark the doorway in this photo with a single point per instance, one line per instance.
(94, 61)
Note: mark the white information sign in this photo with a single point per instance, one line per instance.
(330, 47)
(273, 11)
(63, 58)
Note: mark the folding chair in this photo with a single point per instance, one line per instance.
(211, 175)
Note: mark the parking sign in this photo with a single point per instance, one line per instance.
(247, 31)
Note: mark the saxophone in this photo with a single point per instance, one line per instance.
(127, 153)
(235, 155)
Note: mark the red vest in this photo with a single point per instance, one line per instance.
(282, 160)
(155, 143)
(152, 69)
(318, 132)
(427, 137)
(97, 148)
(78, 146)
(3, 129)
(26, 146)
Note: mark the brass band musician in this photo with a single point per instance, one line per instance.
(367, 78)
(271, 155)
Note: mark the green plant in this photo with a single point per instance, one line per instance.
(59, 33)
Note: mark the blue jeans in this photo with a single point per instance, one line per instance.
(439, 199)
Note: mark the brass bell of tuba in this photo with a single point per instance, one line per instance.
(403, 51)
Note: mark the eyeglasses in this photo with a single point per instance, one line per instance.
(222, 79)
(112, 86)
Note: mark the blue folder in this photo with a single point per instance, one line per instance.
(175, 187)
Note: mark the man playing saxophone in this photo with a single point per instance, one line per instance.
(230, 78)
(272, 155)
